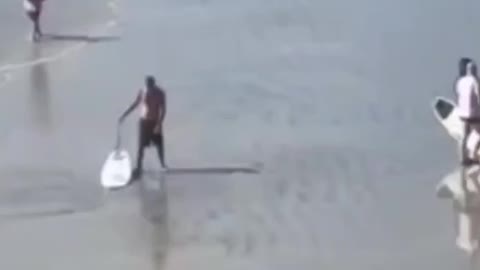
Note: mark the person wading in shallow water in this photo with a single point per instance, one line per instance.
(152, 102)
(33, 8)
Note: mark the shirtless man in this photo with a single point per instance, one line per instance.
(152, 102)
(468, 95)
(33, 8)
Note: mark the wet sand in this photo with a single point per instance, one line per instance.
(330, 105)
(64, 23)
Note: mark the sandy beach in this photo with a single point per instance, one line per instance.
(300, 135)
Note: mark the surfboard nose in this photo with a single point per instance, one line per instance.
(443, 107)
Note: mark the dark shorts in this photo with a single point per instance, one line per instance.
(146, 134)
(34, 15)
(471, 120)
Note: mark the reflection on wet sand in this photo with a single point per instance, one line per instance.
(154, 203)
(466, 207)
(40, 90)
(459, 184)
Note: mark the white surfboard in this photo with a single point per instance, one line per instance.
(446, 113)
(117, 169)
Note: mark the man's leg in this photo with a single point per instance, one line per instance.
(37, 32)
(160, 150)
(475, 127)
(465, 159)
(38, 27)
(31, 16)
(140, 153)
(141, 149)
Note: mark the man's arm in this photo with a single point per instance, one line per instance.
(132, 107)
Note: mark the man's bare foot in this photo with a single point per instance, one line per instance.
(36, 37)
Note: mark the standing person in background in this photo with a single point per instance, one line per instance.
(468, 101)
(33, 8)
(467, 89)
(152, 102)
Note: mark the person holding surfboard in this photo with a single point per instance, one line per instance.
(468, 99)
(33, 8)
(152, 102)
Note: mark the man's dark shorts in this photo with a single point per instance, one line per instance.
(146, 134)
(471, 121)
(33, 15)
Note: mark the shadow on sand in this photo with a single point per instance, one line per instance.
(78, 38)
(154, 204)
(214, 170)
